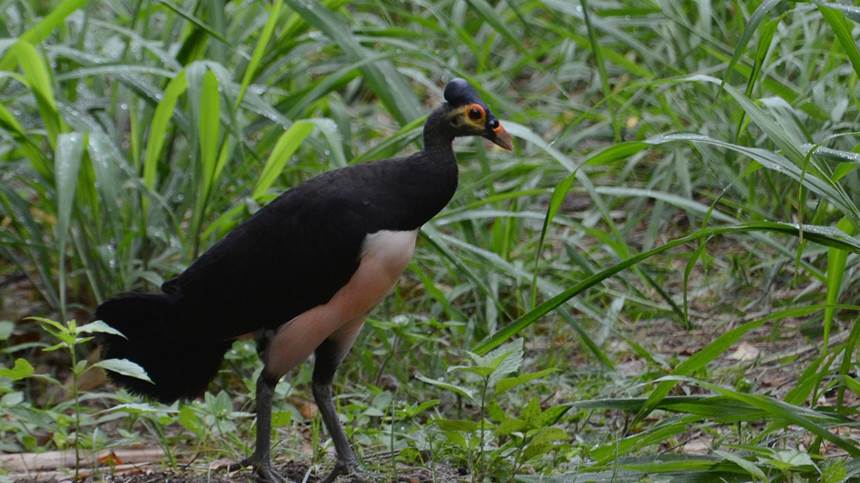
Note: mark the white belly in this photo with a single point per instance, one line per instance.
(392, 249)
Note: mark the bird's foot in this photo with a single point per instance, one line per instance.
(262, 469)
(352, 471)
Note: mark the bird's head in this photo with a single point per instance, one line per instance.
(468, 115)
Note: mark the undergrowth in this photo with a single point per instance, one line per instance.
(660, 281)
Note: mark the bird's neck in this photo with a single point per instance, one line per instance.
(432, 181)
(438, 134)
(427, 180)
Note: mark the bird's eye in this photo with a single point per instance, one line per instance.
(476, 112)
(494, 124)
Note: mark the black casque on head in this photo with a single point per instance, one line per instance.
(458, 92)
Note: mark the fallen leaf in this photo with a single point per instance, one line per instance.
(697, 446)
(745, 352)
(109, 459)
(306, 408)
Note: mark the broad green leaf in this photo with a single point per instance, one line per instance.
(6, 328)
(462, 391)
(459, 425)
(106, 162)
(507, 383)
(189, 420)
(99, 326)
(20, 370)
(502, 361)
(509, 425)
(480, 371)
(124, 367)
(50, 323)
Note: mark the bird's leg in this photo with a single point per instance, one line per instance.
(328, 356)
(261, 459)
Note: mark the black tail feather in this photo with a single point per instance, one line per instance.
(180, 363)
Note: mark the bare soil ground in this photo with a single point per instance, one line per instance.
(154, 472)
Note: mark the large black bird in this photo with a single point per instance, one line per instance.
(302, 273)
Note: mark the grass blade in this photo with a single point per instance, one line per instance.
(286, 146)
(208, 113)
(486, 12)
(382, 77)
(41, 30)
(597, 50)
(842, 29)
(67, 164)
(713, 350)
(194, 20)
(39, 79)
(819, 235)
(779, 410)
(836, 259)
(259, 50)
(760, 14)
(159, 126)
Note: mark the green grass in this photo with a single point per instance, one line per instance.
(683, 172)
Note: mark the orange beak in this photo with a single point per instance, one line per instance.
(501, 137)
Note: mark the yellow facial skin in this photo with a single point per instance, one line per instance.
(473, 118)
(470, 116)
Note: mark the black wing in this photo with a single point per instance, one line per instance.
(290, 256)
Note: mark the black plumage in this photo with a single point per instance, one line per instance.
(291, 256)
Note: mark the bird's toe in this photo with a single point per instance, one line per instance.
(263, 470)
(266, 474)
(353, 472)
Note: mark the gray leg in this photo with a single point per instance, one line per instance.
(328, 357)
(261, 459)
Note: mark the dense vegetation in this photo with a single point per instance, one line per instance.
(662, 279)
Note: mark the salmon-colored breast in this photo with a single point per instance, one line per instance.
(384, 256)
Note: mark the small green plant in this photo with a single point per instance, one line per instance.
(70, 336)
(498, 444)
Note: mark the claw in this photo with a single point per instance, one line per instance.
(249, 461)
(353, 471)
(262, 469)
(267, 474)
